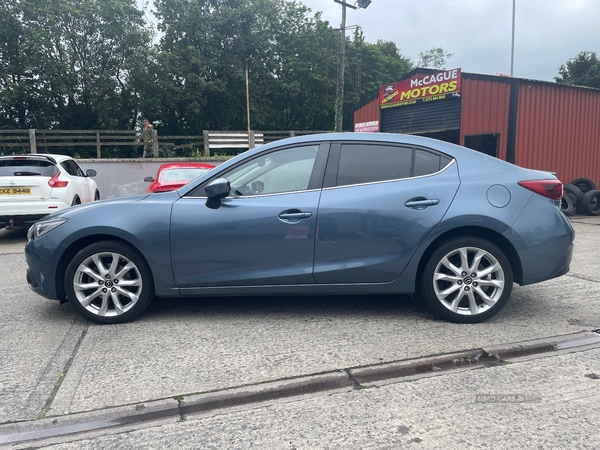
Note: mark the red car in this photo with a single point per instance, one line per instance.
(174, 175)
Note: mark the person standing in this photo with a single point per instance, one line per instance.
(147, 137)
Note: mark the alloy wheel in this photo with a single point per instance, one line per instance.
(107, 284)
(468, 281)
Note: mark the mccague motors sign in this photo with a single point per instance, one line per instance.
(421, 88)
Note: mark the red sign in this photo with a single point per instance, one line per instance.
(421, 88)
(367, 126)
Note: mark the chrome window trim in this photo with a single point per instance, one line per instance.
(395, 179)
(263, 195)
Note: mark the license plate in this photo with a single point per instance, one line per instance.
(14, 191)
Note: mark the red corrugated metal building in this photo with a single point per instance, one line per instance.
(536, 124)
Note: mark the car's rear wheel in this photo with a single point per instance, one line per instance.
(109, 282)
(466, 280)
(76, 201)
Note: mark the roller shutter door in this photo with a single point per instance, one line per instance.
(424, 117)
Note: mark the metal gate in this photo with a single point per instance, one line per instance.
(425, 117)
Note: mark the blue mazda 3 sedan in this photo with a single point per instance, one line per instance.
(322, 214)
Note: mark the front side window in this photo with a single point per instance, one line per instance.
(281, 171)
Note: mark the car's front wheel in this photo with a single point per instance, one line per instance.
(466, 280)
(109, 282)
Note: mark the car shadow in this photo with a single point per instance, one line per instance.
(309, 306)
(14, 235)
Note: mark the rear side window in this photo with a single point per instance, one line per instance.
(367, 163)
(23, 167)
(72, 168)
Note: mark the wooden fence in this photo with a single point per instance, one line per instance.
(84, 141)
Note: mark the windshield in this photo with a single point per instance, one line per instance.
(181, 174)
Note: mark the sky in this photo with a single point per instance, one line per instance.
(479, 32)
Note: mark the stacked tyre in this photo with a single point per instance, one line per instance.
(580, 196)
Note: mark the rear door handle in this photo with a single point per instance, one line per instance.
(294, 215)
(421, 203)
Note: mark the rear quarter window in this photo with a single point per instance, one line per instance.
(426, 163)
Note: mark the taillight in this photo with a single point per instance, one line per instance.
(548, 188)
(54, 182)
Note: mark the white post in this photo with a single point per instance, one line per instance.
(32, 143)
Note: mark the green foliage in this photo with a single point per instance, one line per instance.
(70, 63)
(368, 66)
(583, 70)
(434, 58)
(90, 64)
(208, 44)
(195, 153)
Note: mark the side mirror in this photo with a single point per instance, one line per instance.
(90, 173)
(218, 189)
(148, 179)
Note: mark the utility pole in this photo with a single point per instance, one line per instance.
(340, 111)
(512, 47)
(250, 140)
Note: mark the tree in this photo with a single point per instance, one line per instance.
(583, 70)
(206, 47)
(434, 58)
(18, 97)
(89, 64)
(68, 63)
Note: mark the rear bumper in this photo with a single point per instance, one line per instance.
(27, 213)
(545, 252)
(17, 220)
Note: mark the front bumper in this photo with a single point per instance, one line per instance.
(42, 258)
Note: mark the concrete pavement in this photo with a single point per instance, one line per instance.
(55, 363)
(560, 411)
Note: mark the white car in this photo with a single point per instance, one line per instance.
(35, 185)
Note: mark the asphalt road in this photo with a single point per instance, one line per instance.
(54, 363)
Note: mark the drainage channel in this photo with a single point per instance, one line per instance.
(123, 418)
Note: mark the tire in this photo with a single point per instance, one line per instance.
(464, 303)
(89, 274)
(567, 206)
(97, 196)
(584, 184)
(574, 193)
(76, 201)
(590, 204)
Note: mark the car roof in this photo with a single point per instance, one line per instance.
(54, 159)
(452, 150)
(474, 161)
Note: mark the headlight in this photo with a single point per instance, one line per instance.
(45, 226)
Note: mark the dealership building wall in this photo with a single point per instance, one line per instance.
(536, 124)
